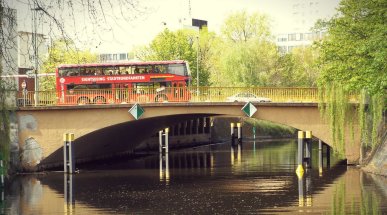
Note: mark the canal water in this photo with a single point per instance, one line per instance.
(254, 178)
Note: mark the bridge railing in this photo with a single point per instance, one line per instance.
(222, 94)
(169, 94)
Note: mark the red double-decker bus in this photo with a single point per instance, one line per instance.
(124, 82)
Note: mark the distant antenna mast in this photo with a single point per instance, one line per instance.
(189, 9)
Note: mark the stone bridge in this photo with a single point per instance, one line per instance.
(107, 130)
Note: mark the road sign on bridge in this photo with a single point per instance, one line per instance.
(137, 111)
(249, 109)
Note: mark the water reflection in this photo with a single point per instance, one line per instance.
(69, 201)
(164, 167)
(256, 178)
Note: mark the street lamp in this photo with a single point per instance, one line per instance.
(35, 48)
(197, 67)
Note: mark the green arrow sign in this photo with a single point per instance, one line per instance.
(137, 111)
(249, 109)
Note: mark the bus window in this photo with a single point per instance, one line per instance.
(69, 72)
(88, 72)
(129, 70)
(160, 69)
(110, 70)
(122, 70)
(62, 72)
(98, 72)
(177, 69)
(82, 71)
(136, 70)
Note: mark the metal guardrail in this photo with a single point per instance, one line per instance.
(171, 94)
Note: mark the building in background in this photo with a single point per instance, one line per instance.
(287, 42)
(114, 57)
(27, 59)
(304, 14)
(199, 23)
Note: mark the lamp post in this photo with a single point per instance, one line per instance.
(197, 68)
(35, 48)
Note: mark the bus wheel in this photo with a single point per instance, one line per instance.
(161, 98)
(99, 100)
(83, 100)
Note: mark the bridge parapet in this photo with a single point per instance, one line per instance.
(180, 94)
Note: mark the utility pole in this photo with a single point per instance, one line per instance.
(197, 66)
(36, 53)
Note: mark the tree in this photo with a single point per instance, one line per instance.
(246, 56)
(7, 66)
(355, 51)
(296, 69)
(63, 52)
(183, 45)
(352, 60)
(241, 27)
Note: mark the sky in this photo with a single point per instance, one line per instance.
(151, 17)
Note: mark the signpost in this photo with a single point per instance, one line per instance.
(24, 86)
(249, 109)
(137, 111)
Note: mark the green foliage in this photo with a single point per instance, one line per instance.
(353, 60)
(6, 96)
(269, 128)
(63, 52)
(355, 52)
(246, 56)
(248, 63)
(296, 69)
(243, 55)
(335, 108)
(5, 111)
(242, 27)
(183, 45)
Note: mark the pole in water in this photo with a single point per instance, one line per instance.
(328, 156)
(65, 149)
(239, 126)
(300, 168)
(232, 133)
(166, 140)
(161, 142)
(71, 154)
(300, 189)
(308, 153)
(68, 193)
(68, 153)
(320, 158)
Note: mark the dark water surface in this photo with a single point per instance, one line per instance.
(256, 178)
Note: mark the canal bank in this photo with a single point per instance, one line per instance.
(378, 162)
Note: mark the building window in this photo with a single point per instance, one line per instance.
(123, 56)
(292, 37)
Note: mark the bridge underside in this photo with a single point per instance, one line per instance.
(104, 131)
(119, 139)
